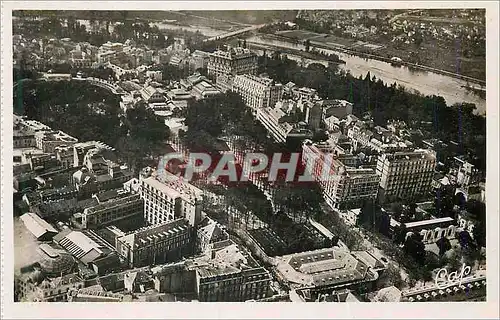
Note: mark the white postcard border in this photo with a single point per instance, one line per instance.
(250, 310)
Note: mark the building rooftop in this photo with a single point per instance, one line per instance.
(112, 202)
(36, 225)
(324, 267)
(60, 281)
(407, 156)
(55, 261)
(85, 245)
(173, 185)
(233, 53)
(57, 136)
(35, 125)
(259, 79)
(428, 222)
(144, 235)
(226, 257)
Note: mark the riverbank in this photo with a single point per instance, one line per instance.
(343, 49)
(303, 54)
(425, 82)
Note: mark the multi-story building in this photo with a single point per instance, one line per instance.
(128, 209)
(225, 82)
(155, 75)
(199, 86)
(23, 137)
(157, 244)
(257, 92)
(115, 46)
(83, 63)
(99, 172)
(209, 232)
(377, 138)
(228, 273)
(65, 155)
(314, 113)
(343, 186)
(38, 160)
(152, 95)
(167, 198)
(406, 175)
(50, 289)
(106, 56)
(335, 111)
(198, 60)
(270, 119)
(80, 150)
(174, 278)
(232, 61)
(47, 141)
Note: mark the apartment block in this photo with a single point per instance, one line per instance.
(406, 175)
(23, 137)
(232, 61)
(128, 209)
(47, 141)
(157, 244)
(257, 92)
(80, 150)
(343, 186)
(229, 274)
(270, 119)
(167, 198)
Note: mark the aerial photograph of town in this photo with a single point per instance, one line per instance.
(249, 156)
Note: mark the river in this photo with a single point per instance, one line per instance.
(427, 83)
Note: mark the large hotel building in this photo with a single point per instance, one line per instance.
(232, 61)
(406, 175)
(167, 198)
(229, 273)
(343, 186)
(157, 244)
(126, 209)
(258, 92)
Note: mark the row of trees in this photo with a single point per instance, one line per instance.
(226, 114)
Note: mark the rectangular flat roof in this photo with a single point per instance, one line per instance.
(428, 222)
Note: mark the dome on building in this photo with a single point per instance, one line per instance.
(55, 261)
(36, 276)
(81, 175)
